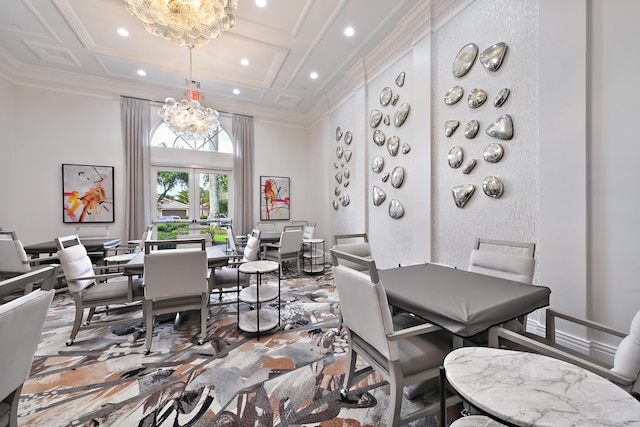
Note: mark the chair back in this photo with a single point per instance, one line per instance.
(95, 231)
(175, 272)
(21, 322)
(363, 304)
(308, 232)
(231, 238)
(266, 226)
(504, 266)
(76, 264)
(13, 258)
(355, 244)
(195, 236)
(290, 242)
(252, 249)
(66, 241)
(256, 233)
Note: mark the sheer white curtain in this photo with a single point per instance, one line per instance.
(135, 134)
(243, 142)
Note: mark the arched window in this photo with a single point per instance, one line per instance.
(162, 136)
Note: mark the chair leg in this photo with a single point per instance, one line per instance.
(77, 321)
(395, 395)
(148, 323)
(203, 318)
(352, 356)
(13, 400)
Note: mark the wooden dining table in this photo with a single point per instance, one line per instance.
(528, 389)
(91, 245)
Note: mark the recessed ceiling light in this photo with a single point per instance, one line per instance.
(349, 31)
(142, 73)
(261, 3)
(123, 32)
(236, 91)
(244, 61)
(313, 75)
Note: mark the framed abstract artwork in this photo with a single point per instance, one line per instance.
(87, 193)
(275, 199)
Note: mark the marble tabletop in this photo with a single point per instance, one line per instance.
(528, 389)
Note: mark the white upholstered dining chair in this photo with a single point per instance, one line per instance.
(92, 290)
(403, 349)
(288, 248)
(21, 322)
(15, 261)
(626, 364)
(496, 261)
(175, 280)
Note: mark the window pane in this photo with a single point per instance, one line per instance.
(164, 137)
(172, 198)
(214, 197)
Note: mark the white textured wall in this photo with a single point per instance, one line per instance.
(514, 216)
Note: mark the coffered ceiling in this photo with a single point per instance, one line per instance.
(73, 45)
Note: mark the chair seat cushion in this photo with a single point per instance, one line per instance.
(418, 353)
(113, 289)
(228, 276)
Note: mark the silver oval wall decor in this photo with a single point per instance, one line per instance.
(335, 204)
(338, 177)
(401, 114)
(377, 164)
(502, 97)
(406, 148)
(345, 200)
(339, 151)
(468, 167)
(462, 194)
(385, 177)
(386, 120)
(455, 157)
(395, 98)
(385, 96)
(471, 129)
(464, 60)
(379, 137)
(493, 153)
(492, 187)
(396, 210)
(347, 155)
(453, 95)
(397, 177)
(375, 118)
(348, 136)
(476, 98)
(336, 191)
(400, 79)
(393, 145)
(338, 133)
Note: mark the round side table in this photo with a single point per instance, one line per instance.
(260, 319)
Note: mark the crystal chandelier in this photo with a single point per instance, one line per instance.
(187, 118)
(185, 22)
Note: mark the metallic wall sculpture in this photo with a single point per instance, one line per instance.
(462, 194)
(348, 136)
(375, 118)
(379, 137)
(401, 114)
(471, 129)
(476, 98)
(379, 195)
(393, 145)
(396, 210)
(492, 187)
(400, 79)
(453, 95)
(378, 164)
(385, 96)
(502, 128)
(338, 133)
(492, 56)
(455, 157)
(464, 60)
(397, 177)
(493, 153)
(502, 97)
(468, 167)
(450, 127)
